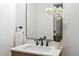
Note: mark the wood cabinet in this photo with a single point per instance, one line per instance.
(14, 53)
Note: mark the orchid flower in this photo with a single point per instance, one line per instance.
(57, 12)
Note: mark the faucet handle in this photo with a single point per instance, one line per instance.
(37, 43)
(40, 39)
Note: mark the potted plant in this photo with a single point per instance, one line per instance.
(58, 14)
(57, 39)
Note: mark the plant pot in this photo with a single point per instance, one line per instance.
(58, 45)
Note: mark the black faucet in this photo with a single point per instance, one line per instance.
(41, 39)
(44, 37)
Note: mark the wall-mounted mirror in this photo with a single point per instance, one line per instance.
(39, 22)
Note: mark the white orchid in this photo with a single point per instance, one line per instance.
(57, 12)
(51, 10)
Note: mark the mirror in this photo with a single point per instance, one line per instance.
(40, 23)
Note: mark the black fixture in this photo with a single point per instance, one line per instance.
(42, 41)
(20, 27)
(47, 43)
(36, 42)
(44, 37)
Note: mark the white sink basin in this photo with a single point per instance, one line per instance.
(38, 48)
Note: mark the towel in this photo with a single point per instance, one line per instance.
(18, 38)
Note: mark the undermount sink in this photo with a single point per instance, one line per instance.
(38, 48)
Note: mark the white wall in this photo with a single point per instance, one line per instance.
(7, 27)
(71, 29)
(11, 16)
(21, 16)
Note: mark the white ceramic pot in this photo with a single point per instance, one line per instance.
(58, 45)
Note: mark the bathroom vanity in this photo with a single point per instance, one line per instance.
(33, 50)
(15, 53)
(44, 28)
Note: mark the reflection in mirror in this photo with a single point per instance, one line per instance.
(39, 23)
(58, 22)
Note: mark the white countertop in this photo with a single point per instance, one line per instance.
(52, 52)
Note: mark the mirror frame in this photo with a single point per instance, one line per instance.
(54, 4)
